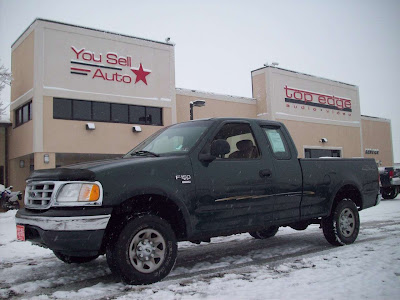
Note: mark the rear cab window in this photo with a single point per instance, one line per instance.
(277, 142)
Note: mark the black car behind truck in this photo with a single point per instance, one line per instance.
(190, 182)
(389, 182)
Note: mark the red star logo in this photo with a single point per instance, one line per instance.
(140, 74)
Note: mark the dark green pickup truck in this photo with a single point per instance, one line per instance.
(190, 182)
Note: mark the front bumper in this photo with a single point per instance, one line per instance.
(77, 235)
(78, 223)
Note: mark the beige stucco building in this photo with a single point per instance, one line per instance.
(80, 94)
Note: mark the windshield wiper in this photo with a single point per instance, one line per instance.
(144, 153)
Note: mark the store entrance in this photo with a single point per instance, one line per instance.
(317, 153)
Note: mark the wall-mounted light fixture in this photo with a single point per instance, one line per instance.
(22, 163)
(90, 126)
(137, 129)
(46, 158)
(323, 140)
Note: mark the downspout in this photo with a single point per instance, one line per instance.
(6, 156)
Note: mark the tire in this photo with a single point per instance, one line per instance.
(74, 259)
(390, 193)
(343, 225)
(144, 252)
(265, 234)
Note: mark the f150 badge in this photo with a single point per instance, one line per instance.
(184, 178)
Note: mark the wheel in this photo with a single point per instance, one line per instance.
(390, 193)
(266, 233)
(74, 259)
(342, 226)
(144, 252)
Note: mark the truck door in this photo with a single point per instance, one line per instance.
(234, 191)
(287, 178)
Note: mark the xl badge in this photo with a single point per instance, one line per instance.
(184, 178)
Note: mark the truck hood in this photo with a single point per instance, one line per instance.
(87, 171)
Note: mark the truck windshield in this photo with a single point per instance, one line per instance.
(176, 139)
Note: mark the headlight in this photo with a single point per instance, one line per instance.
(81, 192)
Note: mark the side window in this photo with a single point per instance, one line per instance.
(278, 143)
(240, 139)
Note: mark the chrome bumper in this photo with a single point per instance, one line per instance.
(395, 181)
(78, 223)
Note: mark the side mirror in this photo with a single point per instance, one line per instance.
(219, 148)
(206, 157)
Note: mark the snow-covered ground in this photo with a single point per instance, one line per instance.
(291, 265)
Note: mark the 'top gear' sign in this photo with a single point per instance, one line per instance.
(88, 63)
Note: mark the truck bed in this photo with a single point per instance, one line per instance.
(323, 177)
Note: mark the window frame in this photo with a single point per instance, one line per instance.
(19, 114)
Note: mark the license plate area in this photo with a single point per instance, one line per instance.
(20, 232)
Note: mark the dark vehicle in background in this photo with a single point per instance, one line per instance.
(389, 182)
(190, 182)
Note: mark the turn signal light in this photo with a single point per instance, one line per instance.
(89, 192)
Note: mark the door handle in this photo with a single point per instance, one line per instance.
(265, 173)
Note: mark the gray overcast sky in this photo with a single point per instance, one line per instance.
(218, 43)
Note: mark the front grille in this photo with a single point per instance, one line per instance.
(38, 194)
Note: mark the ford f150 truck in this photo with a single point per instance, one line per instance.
(190, 182)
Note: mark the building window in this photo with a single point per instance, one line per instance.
(119, 113)
(317, 153)
(62, 109)
(82, 110)
(153, 116)
(23, 114)
(137, 114)
(101, 112)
